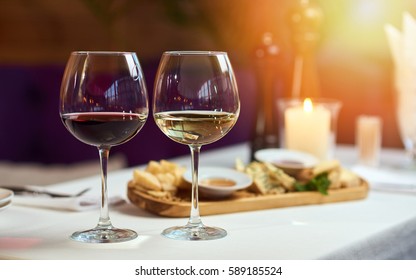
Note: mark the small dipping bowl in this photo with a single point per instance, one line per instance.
(219, 182)
(291, 162)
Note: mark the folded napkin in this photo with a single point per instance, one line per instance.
(402, 45)
(388, 179)
(81, 203)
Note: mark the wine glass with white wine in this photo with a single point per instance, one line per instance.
(195, 103)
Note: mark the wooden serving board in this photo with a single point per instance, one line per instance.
(243, 201)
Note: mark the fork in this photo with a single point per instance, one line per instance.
(21, 190)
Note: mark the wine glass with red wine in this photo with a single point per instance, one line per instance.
(195, 103)
(103, 103)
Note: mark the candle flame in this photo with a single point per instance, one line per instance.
(307, 105)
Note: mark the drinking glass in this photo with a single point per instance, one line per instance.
(103, 103)
(195, 103)
(406, 121)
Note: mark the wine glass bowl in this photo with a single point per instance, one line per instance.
(103, 103)
(195, 103)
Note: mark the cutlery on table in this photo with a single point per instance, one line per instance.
(396, 187)
(29, 190)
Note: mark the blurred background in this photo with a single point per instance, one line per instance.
(36, 36)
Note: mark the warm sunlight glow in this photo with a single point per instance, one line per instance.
(307, 105)
(357, 25)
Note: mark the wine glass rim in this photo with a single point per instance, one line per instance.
(101, 52)
(179, 53)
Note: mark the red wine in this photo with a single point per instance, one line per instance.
(102, 128)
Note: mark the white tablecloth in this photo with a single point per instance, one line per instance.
(382, 226)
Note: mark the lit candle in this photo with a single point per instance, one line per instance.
(308, 129)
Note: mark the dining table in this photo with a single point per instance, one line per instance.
(380, 226)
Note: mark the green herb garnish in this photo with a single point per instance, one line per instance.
(320, 183)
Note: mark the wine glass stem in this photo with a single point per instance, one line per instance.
(104, 221)
(195, 219)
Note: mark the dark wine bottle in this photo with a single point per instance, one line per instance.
(265, 133)
(304, 21)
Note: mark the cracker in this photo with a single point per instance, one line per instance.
(168, 166)
(349, 179)
(167, 181)
(325, 166)
(154, 167)
(159, 194)
(146, 180)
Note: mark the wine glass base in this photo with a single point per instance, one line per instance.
(194, 233)
(104, 235)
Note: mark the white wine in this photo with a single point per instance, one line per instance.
(195, 127)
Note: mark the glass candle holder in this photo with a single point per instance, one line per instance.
(309, 125)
